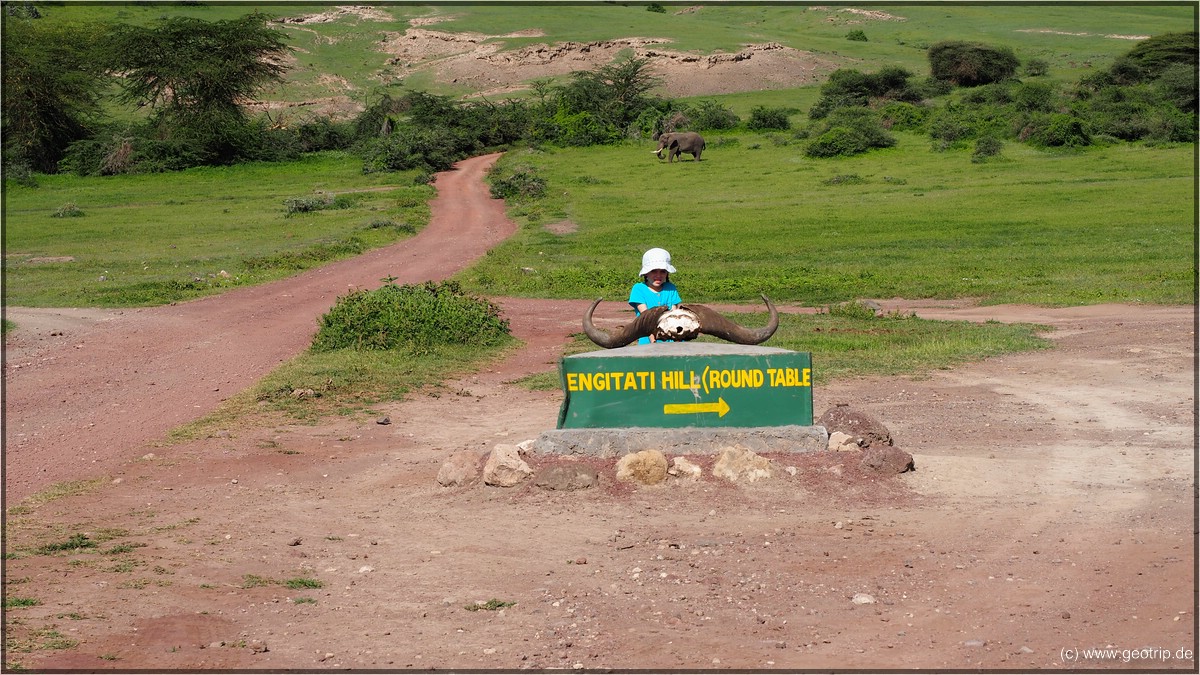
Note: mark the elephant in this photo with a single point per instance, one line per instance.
(678, 143)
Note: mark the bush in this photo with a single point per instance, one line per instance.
(1151, 57)
(850, 131)
(519, 182)
(1036, 68)
(411, 148)
(985, 147)
(762, 117)
(711, 115)
(899, 116)
(970, 64)
(1058, 130)
(856, 36)
(410, 316)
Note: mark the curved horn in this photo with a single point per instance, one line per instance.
(715, 324)
(642, 326)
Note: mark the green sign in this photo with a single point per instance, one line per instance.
(686, 385)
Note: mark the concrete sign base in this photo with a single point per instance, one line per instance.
(614, 442)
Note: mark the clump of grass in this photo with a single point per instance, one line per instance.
(411, 315)
(304, 601)
(845, 179)
(491, 605)
(318, 202)
(68, 210)
(254, 581)
(12, 602)
(308, 257)
(303, 582)
(74, 543)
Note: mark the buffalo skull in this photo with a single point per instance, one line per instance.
(685, 322)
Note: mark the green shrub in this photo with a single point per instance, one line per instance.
(711, 115)
(1154, 55)
(970, 64)
(1057, 130)
(656, 8)
(849, 131)
(517, 182)
(900, 116)
(416, 316)
(985, 147)
(856, 36)
(763, 117)
(1036, 68)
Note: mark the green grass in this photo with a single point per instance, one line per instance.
(153, 239)
(1111, 224)
(11, 602)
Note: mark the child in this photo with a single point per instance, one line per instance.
(655, 289)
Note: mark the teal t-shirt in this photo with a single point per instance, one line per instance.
(643, 295)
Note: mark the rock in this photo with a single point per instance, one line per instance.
(864, 429)
(648, 467)
(570, 476)
(461, 468)
(739, 464)
(684, 468)
(840, 441)
(863, 599)
(504, 467)
(887, 459)
(383, 420)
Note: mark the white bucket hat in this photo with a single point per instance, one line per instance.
(656, 259)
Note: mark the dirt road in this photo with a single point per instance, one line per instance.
(1052, 510)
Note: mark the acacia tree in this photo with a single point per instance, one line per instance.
(196, 74)
(52, 84)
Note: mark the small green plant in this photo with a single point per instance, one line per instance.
(656, 7)
(12, 602)
(68, 210)
(856, 36)
(304, 601)
(254, 581)
(303, 582)
(491, 605)
(74, 543)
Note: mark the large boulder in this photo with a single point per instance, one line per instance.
(504, 467)
(739, 464)
(887, 459)
(460, 468)
(863, 428)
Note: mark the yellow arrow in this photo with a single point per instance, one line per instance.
(720, 407)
